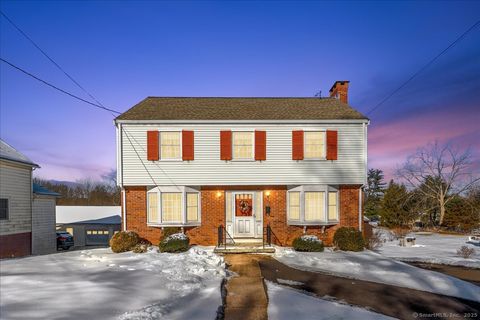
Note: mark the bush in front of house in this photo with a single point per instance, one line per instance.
(140, 248)
(124, 241)
(307, 243)
(348, 239)
(177, 242)
(168, 231)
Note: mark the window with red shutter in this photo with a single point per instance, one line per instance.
(332, 145)
(187, 145)
(297, 145)
(225, 145)
(260, 145)
(152, 145)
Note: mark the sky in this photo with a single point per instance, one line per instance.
(123, 51)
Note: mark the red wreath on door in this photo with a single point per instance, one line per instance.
(243, 207)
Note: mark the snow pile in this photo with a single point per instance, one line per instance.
(371, 266)
(435, 248)
(103, 285)
(286, 304)
(176, 236)
(311, 238)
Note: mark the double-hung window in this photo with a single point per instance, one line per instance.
(242, 144)
(312, 205)
(170, 145)
(3, 209)
(314, 145)
(175, 206)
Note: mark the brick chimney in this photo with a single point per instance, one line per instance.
(339, 90)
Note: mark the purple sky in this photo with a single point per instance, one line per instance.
(124, 51)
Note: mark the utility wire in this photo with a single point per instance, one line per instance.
(57, 88)
(476, 24)
(49, 58)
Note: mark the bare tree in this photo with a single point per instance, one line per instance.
(439, 172)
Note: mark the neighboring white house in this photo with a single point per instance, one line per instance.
(25, 215)
(89, 225)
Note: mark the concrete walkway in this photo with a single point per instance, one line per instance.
(246, 294)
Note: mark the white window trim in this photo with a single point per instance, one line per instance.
(324, 144)
(313, 188)
(172, 189)
(252, 159)
(160, 145)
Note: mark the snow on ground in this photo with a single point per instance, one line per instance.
(370, 266)
(99, 284)
(434, 248)
(286, 304)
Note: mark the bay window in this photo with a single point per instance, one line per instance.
(173, 206)
(312, 205)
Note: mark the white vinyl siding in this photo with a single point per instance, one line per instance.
(314, 145)
(170, 145)
(242, 144)
(278, 169)
(16, 186)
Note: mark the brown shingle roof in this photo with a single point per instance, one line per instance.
(169, 108)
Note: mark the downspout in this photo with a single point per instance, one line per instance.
(360, 222)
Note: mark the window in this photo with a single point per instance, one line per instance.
(171, 207)
(314, 144)
(3, 209)
(314, 206)
(242, 144)
(170, 143)
(294, 205)
(332, 206)
(192, 206)
(152, 201)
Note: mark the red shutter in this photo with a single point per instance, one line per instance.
(187, 145)
(297, 145)
(332, 145)
(225, 145)
(152, 145)
(260, 145)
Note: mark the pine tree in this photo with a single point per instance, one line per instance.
(374, 192)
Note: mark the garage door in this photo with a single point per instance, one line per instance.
(96, 237)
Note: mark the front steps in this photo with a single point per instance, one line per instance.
(244, 248)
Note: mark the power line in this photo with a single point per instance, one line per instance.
(425, 66)
(57, 88)
(49, 58)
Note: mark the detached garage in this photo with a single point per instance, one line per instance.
(89, 225)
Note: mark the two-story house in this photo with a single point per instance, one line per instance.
(296, 165)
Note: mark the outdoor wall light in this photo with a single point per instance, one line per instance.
(219, 194)
(267, 207)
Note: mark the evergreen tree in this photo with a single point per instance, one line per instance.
(396, 209)
(374, 192)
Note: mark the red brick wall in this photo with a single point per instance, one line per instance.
(213, 214)
(15, 245)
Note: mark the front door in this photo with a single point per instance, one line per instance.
(244, 214)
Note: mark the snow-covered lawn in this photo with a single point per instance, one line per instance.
(286, 304)
(435, 248)
(371, 266)
(99, 284)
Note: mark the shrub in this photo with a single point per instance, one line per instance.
(465, 252)
(307, 243)
(177, 242)
(348, 239)
(374, 241)
(124, 241)
(140, 248)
